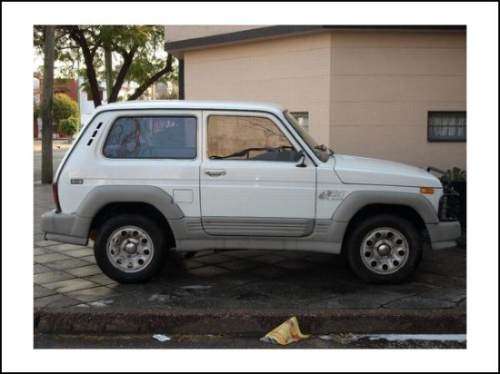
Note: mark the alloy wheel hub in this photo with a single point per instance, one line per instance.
(384, 250)
(129, 246)
(130, 249)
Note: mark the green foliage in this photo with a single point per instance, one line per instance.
(454, 175)
(63, 107)
(145, 41)
(68, 126)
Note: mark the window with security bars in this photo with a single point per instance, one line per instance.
(446, 126)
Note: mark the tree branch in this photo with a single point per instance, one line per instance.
(127, 61)
(77, 35)
(143, 87)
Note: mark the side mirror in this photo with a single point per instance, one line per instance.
(301, 163)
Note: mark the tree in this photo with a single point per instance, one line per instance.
(63, 107)
(116, 55)
(48, 82)
(68, 126)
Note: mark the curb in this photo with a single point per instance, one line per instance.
(181, 321)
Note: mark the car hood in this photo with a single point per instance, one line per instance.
(364, 170)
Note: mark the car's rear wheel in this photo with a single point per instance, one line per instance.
(384, 249)
(130, 248)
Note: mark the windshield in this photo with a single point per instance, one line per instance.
(319, 150)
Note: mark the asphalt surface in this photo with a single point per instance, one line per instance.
(226, 341)
(57, 156)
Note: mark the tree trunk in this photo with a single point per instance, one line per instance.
(181, 79)
(108, 66)
(47, 91)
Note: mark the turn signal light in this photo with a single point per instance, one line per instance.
(427, 190)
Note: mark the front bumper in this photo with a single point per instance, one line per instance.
(66, 228)
(444, 234)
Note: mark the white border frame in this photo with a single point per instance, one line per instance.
(482, 151)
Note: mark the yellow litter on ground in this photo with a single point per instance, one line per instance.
(286, 333)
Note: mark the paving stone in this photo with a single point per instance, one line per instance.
(364, 300)
(81, 252)
(418, 302)
(294, 264)
(239, 265)
(66, 247)
(85, 271)
(45, 243)
(37, 237)
(319, 258)
(90, 259)
(39, 291)
(37, 269)
(193, 264)
(439, 280)
(268, 272)
(101, 279)
(213, 259)
(92, 294)
(42, 251)
(55, 301)
(244, 253)
(50, 277)
(70, 263)
(51, 257)
(449, 294)
(69, 285)
(207, 271)
(268, 259)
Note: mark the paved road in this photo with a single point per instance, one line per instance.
(226, 341)
(57, 156)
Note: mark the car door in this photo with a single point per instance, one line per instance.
(250, 181)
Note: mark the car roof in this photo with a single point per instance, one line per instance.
(192, 104)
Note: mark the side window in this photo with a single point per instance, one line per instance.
(247, 138)
(152, 137)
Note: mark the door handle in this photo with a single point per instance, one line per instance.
(215, 173)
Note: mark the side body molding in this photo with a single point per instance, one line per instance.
(102, 195)
(359, 199)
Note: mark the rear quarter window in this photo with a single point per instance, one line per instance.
(171, 137)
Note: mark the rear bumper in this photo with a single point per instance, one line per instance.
(66, 228)
(444, 234)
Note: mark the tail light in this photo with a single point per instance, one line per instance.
(55, 195)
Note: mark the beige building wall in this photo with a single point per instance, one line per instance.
(367, 92)
(293, 72)
(383, 85)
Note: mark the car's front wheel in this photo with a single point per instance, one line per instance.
(129, 248)
(384, 249)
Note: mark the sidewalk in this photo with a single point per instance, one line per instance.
(241, 290)
(62, 144)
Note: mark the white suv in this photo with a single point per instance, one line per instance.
(146, 177)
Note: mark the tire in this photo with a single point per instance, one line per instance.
(136, 250)
(384, 249)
